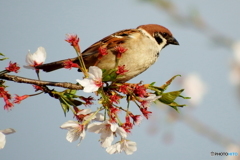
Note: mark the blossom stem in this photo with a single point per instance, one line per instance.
(136, 103)
(128, 103)
(37, 71)
(118, 120)
(35, 94)
(82, 64)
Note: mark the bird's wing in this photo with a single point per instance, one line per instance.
(110, 42)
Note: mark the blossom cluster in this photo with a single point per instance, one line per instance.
(110, 125)
(106, 119)
(32, 61)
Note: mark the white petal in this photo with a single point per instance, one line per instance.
(97, 72)
(95, 127)
(91, 76)
(84, 111)
(29, 59)
(89, 117)
(73, 135)
(151, 98)
(114, 148)
(106, 139)
(90, 88)
(88, 85)
(69, 125)
(99, 117)
(130, 147)
(40, 55)
(121, 132)
(111, 149)
(8, 131)
(84, 82)
(2, 140)
(114, 127)
(82, 136)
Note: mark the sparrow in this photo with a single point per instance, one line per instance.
(142, 45)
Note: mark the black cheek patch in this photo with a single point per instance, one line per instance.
(158, 39)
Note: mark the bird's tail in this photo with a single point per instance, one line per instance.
(49, 67)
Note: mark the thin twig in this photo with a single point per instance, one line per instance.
(40, 83)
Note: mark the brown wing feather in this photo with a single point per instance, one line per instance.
(90, 55)
(48, 67)
(110, 41)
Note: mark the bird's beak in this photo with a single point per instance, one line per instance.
(172, 40)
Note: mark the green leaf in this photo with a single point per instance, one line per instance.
(1, 59)
(184, 97)
(169, 97)
(164, 87)
(152, 84)
(64, 105)
(175, 105)
(70, 93)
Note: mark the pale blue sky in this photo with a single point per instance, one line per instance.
(29, 24)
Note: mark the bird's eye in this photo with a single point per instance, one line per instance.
(164, 34)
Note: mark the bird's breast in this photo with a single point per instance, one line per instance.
(142, 52)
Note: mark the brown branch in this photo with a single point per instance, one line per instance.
(40, 83)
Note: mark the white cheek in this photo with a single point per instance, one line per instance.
(154, 43)
(164, 42)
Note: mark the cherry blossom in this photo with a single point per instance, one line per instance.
(37, 88)
(102, 52)
(195, 87)
(136, 119)
(75, 131)
(88, 101)
(115, 98)
(107, 131)
(124, 88)
(18, 98)
(6, 97)
(73, 39)
(140, 90)
(145, 112)
(13, 67)
(121, 70)
(120, 50)
(127, 126)
(94, 81)
(124, 145)
(68, 64)
(36, 58)
(3, 134)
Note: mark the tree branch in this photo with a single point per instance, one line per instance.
(40, 83)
